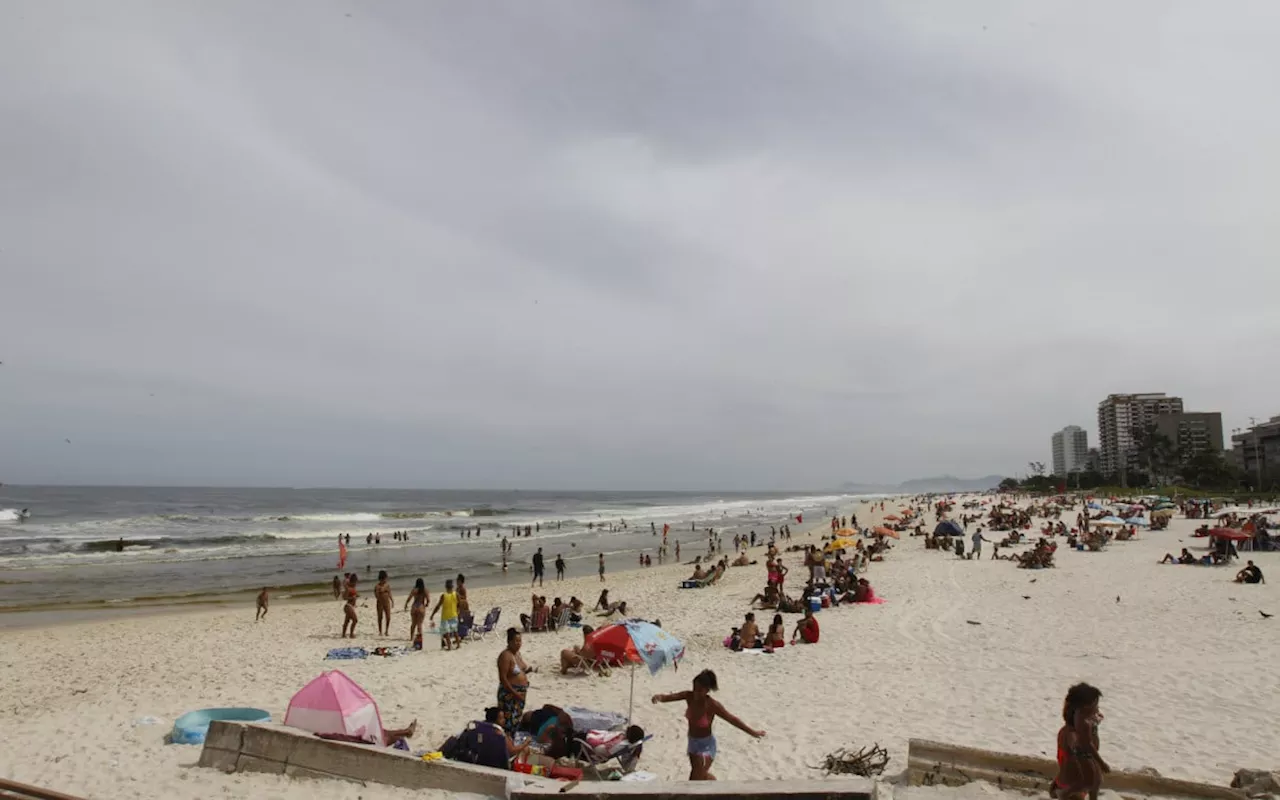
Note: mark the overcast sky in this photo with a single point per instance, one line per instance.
(731, 245)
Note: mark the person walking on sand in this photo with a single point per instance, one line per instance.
(382, 598)
(337, 587)
(349, 618)
(513, 681)
(701, 710)
(419, 597)
(602, 567)
(263, 600)
(447, 605)
(978, 539)
(1080, 767)
(538, 567)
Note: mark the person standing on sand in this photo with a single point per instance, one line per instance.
(419, 597)
(559, 567)
(382, 598)
(701, 710)
(349, 617)
(337, 587)
(1080, 767)
(538, 568)
(602, 567)
(447, 605)
(263, 600)
(464, 606)
(513, 681)
(978, 539)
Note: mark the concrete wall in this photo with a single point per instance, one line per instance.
(935, 763)
(251, 747)
(832, 789)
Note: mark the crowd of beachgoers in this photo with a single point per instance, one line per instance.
(538, 664)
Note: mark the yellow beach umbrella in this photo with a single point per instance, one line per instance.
(842, 544)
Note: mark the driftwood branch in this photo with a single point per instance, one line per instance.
(866, 762)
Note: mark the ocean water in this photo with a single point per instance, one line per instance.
(185, 543)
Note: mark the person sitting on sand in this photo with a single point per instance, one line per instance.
(767, 600)
(497, 719)
(698, 574)
(603, 601)
(788, 606)
(615, 608)
(264, 599)
(536, 619)
(571, 657)
(1185, 558)
(1250, 574)
(777, 635)
(575, 610)
(743, 561)
(806, 629)
(1080, 767)
(747, 637)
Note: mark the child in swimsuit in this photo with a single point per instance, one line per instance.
(1080, 767)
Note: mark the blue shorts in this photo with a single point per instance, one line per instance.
(448, 626)
(705, 746)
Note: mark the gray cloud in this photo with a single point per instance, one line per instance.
(624, 245)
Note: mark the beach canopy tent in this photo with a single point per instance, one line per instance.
(334, 704)
(1229, 533)
(948, 527)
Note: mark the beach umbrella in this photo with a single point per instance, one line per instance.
(1229, 533)
(1108, 522)
(1163, 504)
(841, 544)
(846, 532)
(883, 531)
(1137, 521)
(948, 527)
(635, 641)
(1095, 506)
(893, 517)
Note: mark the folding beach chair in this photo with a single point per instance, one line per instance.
(622, 758)
(589, 666)
(478, 632)
(562, 621)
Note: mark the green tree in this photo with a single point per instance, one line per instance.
(1009, 485)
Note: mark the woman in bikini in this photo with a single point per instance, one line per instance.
(777, 636)
(1080, 767)
(701, 710)
(513, 681)
(349, 618)
(382, 594)
(419, 597)
(464, 608)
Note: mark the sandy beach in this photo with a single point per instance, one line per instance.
(1182, 656)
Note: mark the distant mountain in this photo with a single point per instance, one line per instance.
(943, 483)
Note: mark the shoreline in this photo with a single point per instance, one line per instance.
(73, 613)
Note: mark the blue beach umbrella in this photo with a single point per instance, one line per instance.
(1137, 521)
(637, 642)
(948, 528)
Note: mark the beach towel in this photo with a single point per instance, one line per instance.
(346, 653)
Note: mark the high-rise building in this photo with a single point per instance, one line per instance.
(1192, 432)
(1070, 450)
(1120, 418)
(1256, 450)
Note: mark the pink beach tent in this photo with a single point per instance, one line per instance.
(335, 704)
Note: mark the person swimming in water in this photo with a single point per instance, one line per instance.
(701, 711)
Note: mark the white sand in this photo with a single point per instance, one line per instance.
(1185, 662)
